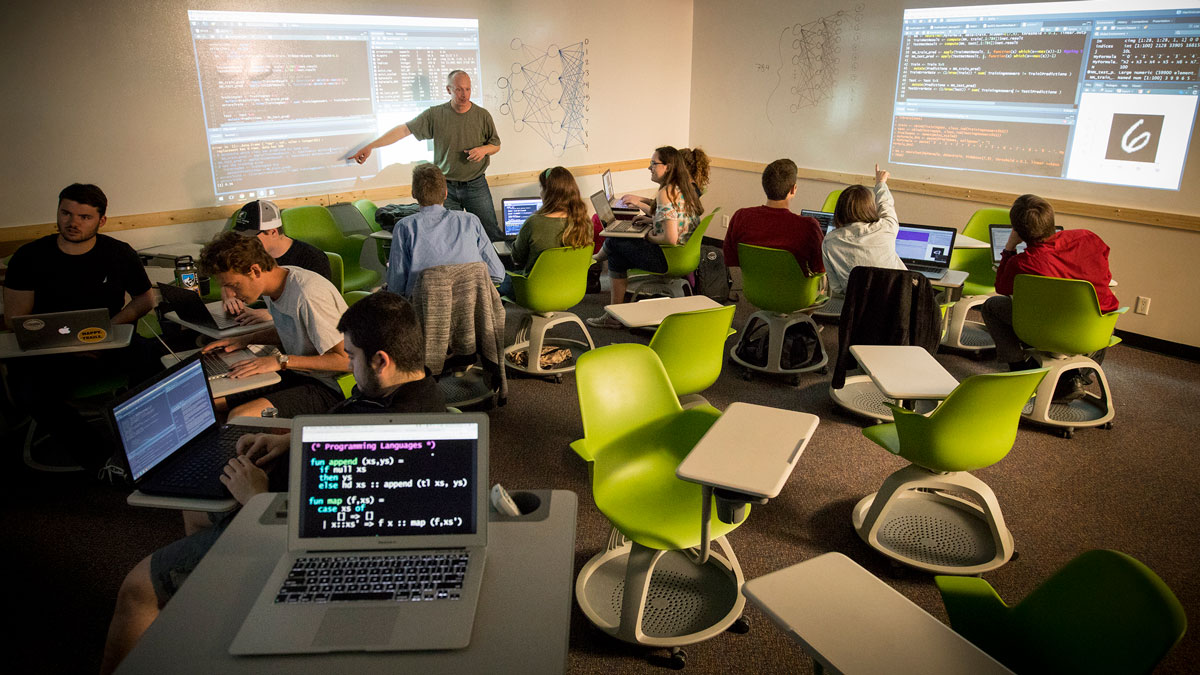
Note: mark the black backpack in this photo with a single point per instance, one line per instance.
(712, 277)
(801, 345)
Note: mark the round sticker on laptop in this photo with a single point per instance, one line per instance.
(93, 334)
(33, 324)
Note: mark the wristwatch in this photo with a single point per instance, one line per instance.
(282, 360)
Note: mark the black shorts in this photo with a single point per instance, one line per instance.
(295, 394)
(171, 564)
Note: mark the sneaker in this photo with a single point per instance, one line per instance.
(604, 321)
(1068, 389)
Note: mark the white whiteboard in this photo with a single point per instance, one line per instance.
(106, 92)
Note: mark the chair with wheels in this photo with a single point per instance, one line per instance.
(1061, 321)
(1103, 612)
(833, 307)
(383, 247)
(785, 296)
(919, 516)
(961, 332)
(337, 271)
(681, 261)
(831, 201)
(315, 225)
(647, 587)
(556, 283)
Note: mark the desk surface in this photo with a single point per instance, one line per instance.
(122, 334)
(385, 235)
(522, 623)
(751, 449)
(953, 279)
(904, 371)
(227, 386)
(851, 622)
(963, 241)
(651, 312)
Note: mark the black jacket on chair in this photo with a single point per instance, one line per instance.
(886, 307)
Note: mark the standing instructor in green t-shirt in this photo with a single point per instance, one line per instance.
(463, 136)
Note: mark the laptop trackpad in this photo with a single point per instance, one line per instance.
(356, 626)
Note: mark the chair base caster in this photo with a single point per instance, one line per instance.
(740, 627)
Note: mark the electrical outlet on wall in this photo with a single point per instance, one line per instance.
(1142, 306)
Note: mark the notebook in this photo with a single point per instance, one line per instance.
(516, 211)
(619, 210)
(388, 491)
(824, 218)
(169, 436)
(63, 329)
(614, 227)
(926, 248)
(999, 237)
(190, 307)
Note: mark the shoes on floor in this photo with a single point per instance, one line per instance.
(604, 321)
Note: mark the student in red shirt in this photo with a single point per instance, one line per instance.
(1070, 254)
(774, 225)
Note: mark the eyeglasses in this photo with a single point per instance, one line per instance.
(654, 164)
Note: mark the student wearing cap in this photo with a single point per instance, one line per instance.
(260, 218)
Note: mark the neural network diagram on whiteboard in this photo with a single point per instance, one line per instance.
(546, 91)
(812, 55)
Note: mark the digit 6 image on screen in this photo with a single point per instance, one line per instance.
(288, 97)
(1102, 91)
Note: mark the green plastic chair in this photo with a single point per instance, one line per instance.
(785, 296)
(383, 247)
(910, 519)
(315, 225)
(961, 333)
(557, 282)
(1103, 612)
(691, 346)
(337, 270)
(352, 297)
(681, 261)
(1061, 320)
(637, 435)
(831, 201)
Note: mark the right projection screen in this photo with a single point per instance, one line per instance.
(1103, 91)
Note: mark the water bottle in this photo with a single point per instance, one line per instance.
(185, 273)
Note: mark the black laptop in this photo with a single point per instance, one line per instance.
(190, 307)
(169, 437)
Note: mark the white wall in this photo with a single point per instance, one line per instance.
(849, 129)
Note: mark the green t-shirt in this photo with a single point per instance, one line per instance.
(453, 134)
(537, 234)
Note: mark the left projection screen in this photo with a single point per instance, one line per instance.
(287, 97)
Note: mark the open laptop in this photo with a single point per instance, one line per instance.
(614, 227)
(926, 248)
(63, 329)
(393, 494)
(999, 238)
(619, 210)
(824, 219)
(191, 308)
(169, 436)
(515, 211)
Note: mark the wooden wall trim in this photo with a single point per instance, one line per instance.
(137, 221)
(1176, 221)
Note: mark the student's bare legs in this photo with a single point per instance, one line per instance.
(252, 408)
(137, 608)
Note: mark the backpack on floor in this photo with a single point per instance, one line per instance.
(712, 277)
(801, 345)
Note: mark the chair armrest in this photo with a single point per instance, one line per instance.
(976, 612)
(581, 449)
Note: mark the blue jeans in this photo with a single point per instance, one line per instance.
(475, 197)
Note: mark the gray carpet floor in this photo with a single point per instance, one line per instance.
(1134, 488)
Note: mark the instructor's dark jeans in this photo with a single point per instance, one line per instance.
(474, 196)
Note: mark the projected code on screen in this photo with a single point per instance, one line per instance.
(1014, 147)
(1157, 59)
(1041, 68)
(383, 488)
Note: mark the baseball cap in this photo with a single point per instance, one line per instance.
(257, 216)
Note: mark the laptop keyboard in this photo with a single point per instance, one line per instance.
(414, 577)
(222, 319)
(626, 226)
(203, 457)
(214, 365)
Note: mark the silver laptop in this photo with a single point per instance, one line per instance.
(999, 238)
(387, 536)
(926, 248)
(614, 227)
(619, 210)
(63, 329)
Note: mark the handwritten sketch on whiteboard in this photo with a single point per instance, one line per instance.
(813, 59)
(547, 91)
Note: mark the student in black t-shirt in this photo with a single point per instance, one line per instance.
(260, 218)
(387, 354)
(78, 268)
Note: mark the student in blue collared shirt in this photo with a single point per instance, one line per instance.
(436, 236)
